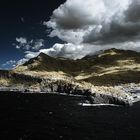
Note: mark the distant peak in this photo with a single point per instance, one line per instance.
(42, 54)
(113, 50)
(119, 51)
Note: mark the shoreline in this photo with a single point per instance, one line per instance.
(91, 100)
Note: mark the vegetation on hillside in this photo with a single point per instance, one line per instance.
(110, 67)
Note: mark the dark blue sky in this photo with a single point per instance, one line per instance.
(12, 14)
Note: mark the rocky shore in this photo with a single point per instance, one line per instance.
(124, 95)
(52, 82)
(112, 77)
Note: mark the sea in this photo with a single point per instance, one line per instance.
(26, 116)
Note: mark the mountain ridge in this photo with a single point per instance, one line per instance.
(119, 63)
(100, 74)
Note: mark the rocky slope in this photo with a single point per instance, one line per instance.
(108, 68)
(95, 75)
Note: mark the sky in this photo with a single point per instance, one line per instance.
(66, 28)
(23, 18)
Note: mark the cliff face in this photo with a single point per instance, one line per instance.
(90, 74)
(13, 77)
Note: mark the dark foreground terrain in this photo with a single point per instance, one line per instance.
(54, 117)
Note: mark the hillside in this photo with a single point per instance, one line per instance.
(111, 67)
(108, 77)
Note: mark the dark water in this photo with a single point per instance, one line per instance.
(54, 117)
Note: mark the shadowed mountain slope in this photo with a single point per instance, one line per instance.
(110, 67)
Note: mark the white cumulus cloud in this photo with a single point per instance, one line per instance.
(8, 64)
(21, 40)
(90, 25)
(23, 43)
(76, 19)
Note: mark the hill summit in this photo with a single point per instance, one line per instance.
(106, 76)
(110, 67)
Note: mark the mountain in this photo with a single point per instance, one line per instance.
(101, 74)
(111, 67)
(114, 67)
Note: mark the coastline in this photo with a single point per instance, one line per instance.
(91, 99)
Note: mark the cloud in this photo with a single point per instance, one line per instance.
(38, 44)
(31, 48)
(10, 63)
(88, 26)
(132, 14)
(96, 22)
(72, 51)
(28, 55)
(92, 25)
(68, 50)
(79, 51)
(23, 43)
(21, 40)
(22, 61)
(88, 21)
